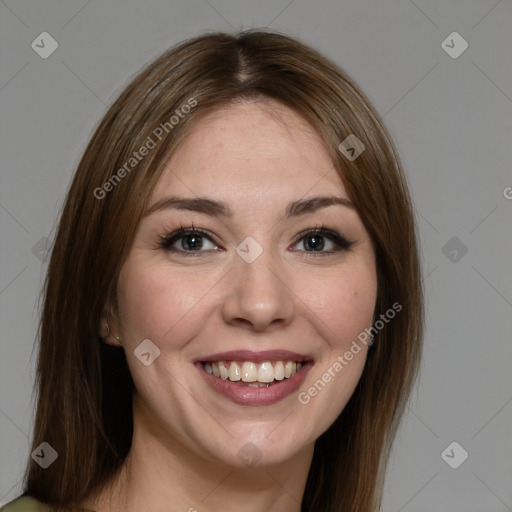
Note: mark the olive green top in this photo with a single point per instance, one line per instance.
(28, 504)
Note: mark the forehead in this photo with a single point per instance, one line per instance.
(249, 146)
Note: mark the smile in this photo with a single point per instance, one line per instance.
(255, 378)
(251, 374)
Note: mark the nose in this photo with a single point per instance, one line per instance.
(258, 297)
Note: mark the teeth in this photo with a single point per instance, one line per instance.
(279, 370)
(255, 375)
(249, 372)
(234, 372)
(289, 369)
(266, 372)
(223, 370)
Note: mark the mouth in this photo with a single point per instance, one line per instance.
(255, 378)
(253, 375)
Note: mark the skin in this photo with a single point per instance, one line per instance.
(257, 157)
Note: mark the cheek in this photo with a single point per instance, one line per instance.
(342, 304)
(341, 310)
(155, 303)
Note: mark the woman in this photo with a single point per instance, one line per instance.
(233, 306)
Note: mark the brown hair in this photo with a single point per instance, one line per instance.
(84, 386)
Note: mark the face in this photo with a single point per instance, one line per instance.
(250, 294)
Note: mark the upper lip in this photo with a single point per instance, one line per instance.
(255, 357)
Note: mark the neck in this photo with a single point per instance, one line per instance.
(159, 472)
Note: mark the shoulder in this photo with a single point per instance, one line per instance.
(30, 504)
(25, 504)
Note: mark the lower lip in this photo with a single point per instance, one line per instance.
(255, 397)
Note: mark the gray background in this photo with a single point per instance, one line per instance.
(452, 121)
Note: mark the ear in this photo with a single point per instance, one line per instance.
(109, 334)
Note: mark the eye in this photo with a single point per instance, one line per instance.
(187, 240)
(193, 240)
(317, 239)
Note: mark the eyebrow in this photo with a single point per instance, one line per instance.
(218, 209)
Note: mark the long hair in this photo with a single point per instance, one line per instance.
(84, 387)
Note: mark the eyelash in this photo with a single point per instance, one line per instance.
(166, 241)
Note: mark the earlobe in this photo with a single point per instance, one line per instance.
(106, 330)
(102, 327)
(111, 339)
